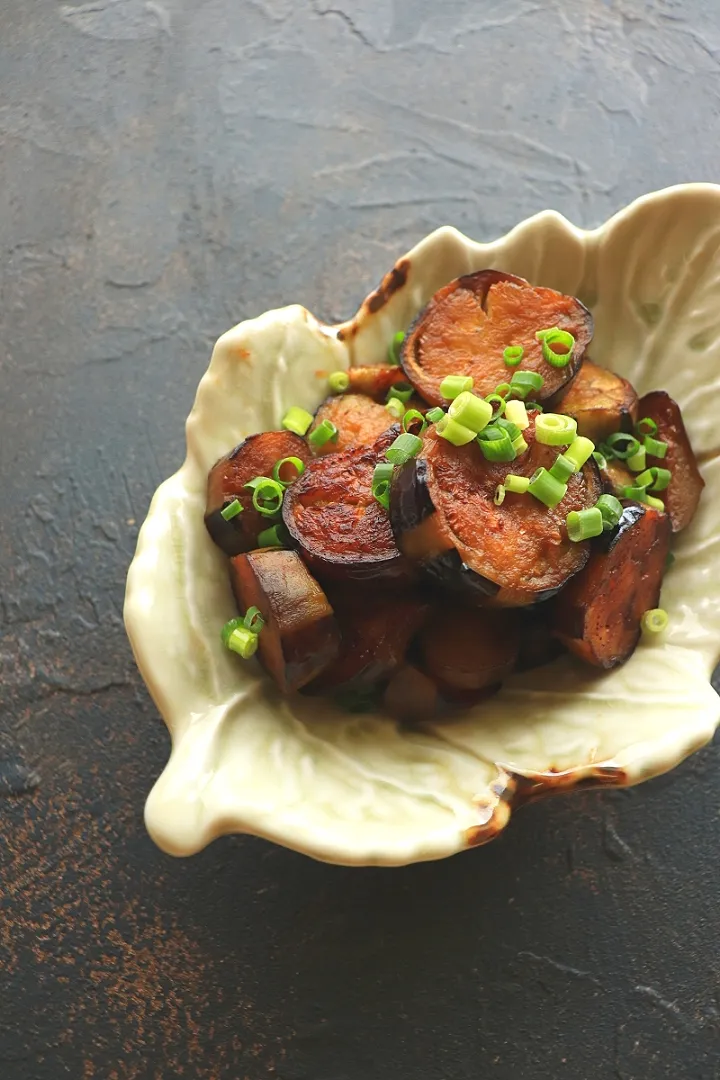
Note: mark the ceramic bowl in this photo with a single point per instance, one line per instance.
(360, 789)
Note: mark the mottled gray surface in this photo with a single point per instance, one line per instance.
(166, 169)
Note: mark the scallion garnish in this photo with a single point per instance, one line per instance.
(513, 354)
(516, 412)
(579, 451)
(584, 524)
(517, 485)
(230, 625)
(639, 494)
(267, 495)
(297, 420)
(636, 463)
(455, 433)
(552, 337)
(623, 446)
(471, 411)
(402, 391)
(507, 425)
(654, 479)
(646, 426)
(655, 620)
(394, 348)
(275, 536)
(499, 496)
(434, 415)
(655, 447)
(600, 459)
(519, 445)
(396, 408)
(253, 620)
(522, 382)
(611, 510)
(325, 431)
(562, 468)
(293, 463)
(498, 404)
(534, 406)
(406, 446)
(546, 488)
(231, 510)
(453, 385)
(410, 420)
(496, 444)
(339, 381)
(239, 639)
(555, 429)
(503, 389)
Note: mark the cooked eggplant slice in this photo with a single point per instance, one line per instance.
(256, 456)
(411, 696)
(467, 325)
(375, 381)
(537, 644)
(445, 520)
(601, 402)
(301, 636)
(468, 650)
(598, 615)
(359, 420)
(375, 634)
(682, 495)
(615, 477)
(343, 532)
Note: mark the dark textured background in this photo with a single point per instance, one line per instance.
(168, 167)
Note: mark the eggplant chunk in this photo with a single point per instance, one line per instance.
(226, 482)
(468, 324)
(537, 644)
(342, 531)
(359, 420)
(411, 696)
(375, 380)
(682, 495)
(375, 634)
(601, 402)
(301, 636)
(445, 520)
(467, 650)
(616, 476)
(598, 615)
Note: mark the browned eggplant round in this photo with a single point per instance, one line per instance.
(342, 531)
(615, 477)
(301, 636)
(682, 495)
(256, 456)
(359, 420)
(375, 380)
(468, 324)
(467, 649)
(598, 615)
(445, 521)
(601, 402)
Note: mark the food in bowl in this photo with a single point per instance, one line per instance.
(483, 499)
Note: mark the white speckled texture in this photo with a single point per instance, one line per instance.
(357, 789)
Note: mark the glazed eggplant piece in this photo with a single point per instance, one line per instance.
(301, 636)
(467, 650)
(376, 631)
(445, 520)
(375, 381)
(468, 324)
(538, 646)
(601, 402)
(682, 495)
(359, 420)
(256, 456)
(343, 532)
(598, 615)
(411, 696)
(615, 477)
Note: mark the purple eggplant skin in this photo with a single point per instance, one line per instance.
(632, 512)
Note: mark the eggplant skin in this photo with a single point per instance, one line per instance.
(682, 495)
(601, 402)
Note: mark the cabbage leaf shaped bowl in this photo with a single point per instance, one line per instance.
(359, 789)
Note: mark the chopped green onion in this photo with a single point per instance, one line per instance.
(324, 432)
(654, 447)
(651, 501)
(253, 620)
(498, 404)
(406, 446)
(243, 642)
(579, 451)
(507, 425)
(275, 536)
(496, 444)
(600, 459)
(653, 478)
(522, 382)
(231, 510)
(517, 485)
(471, 411)
(433, 415)
(411, 417)
(623, 446)
(636, 463)
(403, 392)
(339, 381)
(554, 336)
(519, 445)
(394, 348)
(503, 389)
(396, 408)
(546, 488)
(555, 429)
(452, 385)
(267, 495)
(230, 625)
(517, 413)
(513, 354)
(455, 433)
(646, 426)
(611, 510)
(296, 464)
(534, 406)
(655, 620)
(499, 496)
(584, 524)
(639, 494)
(607, 451)
(562, 468)
(297, 420)
(382, 475)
